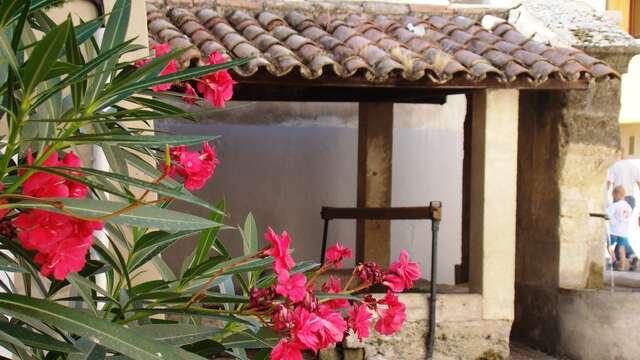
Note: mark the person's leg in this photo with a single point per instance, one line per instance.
(619, 252)
(630, 254)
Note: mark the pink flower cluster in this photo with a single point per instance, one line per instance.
(194, 167)
(216, 88)
(61, 241)
(308, 323)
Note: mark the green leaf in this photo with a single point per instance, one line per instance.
(126, 139)
(152, 244)
(187, 74)
(36, 340)
(265, 338)
(81, 74)
(7, 54)
(111, 335)
(64, 172)
(90, 351)
(9, 9)
(145, 216)
(114, 34)
(74, 56)
(250, 236)
(161, 107)
(11, 266)
(44, 55)
(177, 334)
(209, 237)
(85, 292)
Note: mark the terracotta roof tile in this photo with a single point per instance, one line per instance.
(285, 38)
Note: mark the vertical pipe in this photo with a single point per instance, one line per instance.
(324, 241)
(435, 227)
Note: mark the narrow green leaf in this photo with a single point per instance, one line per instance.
(44, 56)
(146, 216)
(183, 75)
(114, 34)
(90, 351)
(7, 54)
(126, 139)
(181, 194)
(209, 236)
(111, 335)
(265, 338)
(153, 244)
(177, 334)
(36, 340)
(84, 292)
(11, 266)
(9, 9)
(74, 56)
(250, 231)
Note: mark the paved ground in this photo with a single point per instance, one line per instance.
(522, 352)
(623, 279)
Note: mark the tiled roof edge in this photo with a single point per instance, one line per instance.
(339, 7)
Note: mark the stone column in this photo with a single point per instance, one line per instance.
(492, 222)
(375, 143)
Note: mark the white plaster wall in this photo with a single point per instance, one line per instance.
(283, 161)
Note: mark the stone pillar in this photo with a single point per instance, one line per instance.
(492, 222)
(375, 143)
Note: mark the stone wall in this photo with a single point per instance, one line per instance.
(461, 333)
(567, 141)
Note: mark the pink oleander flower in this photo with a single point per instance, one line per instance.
(392, 318)
(337, 253)
(360, 320)
(286, 350)
(45, 185)
(333, 327)
(305, 329)
(61, 241)
(217, 87)
(402, 273)
(191, 94)
(332, 286)
(194, 167)
(282, 260)
(172, 66)
(293, 287)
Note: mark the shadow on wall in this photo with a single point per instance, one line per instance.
(284, 161)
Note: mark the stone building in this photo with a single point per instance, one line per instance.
(534, 104)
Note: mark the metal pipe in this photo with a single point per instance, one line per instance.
(324, 241)
(436, 207)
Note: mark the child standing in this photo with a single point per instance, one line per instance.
(619, 215)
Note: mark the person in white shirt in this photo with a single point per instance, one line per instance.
(626, 174)
(619, 214)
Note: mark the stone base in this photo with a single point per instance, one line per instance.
(461, 333)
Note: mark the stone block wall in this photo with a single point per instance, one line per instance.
(461, 333)
(567, 141)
